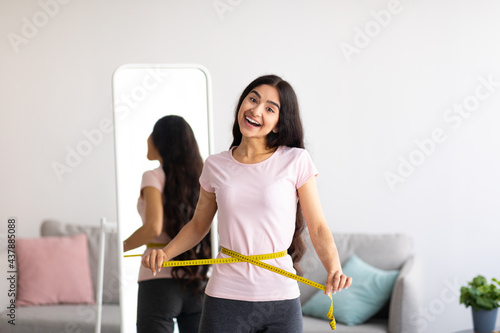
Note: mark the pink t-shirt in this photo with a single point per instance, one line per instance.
(153, 178)
(257, 205)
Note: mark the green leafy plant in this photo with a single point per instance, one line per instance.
(481, 295)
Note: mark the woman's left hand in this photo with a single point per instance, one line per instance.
(337, 281)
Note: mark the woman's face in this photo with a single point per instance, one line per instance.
(153, 154)
(259, 113)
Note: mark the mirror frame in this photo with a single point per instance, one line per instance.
(144, 66)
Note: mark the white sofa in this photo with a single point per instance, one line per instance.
(80, 318)
(387, 252)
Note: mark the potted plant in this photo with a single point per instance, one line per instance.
(485, 300)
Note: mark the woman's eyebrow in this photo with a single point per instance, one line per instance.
(258, 95)
(274, 104)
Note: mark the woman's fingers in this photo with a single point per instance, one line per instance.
(337, 281)
(348, 282)
(145, 260)
(154, 260)
(159, 259)
(342, 283)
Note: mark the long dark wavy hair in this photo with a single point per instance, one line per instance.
(182, 163)
(290, 134)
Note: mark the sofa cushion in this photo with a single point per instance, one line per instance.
(371, 289)
(111, 282)
(53, 270)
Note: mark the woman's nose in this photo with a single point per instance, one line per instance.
(257, 110)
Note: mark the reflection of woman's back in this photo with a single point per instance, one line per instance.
(166, 203)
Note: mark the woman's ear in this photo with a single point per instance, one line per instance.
(275, 130)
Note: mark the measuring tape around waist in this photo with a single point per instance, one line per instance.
(196, 262)
(253, 259)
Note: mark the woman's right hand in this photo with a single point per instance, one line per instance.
(154, 260)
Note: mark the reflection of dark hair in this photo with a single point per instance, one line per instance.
(289, 134)
(182, 164)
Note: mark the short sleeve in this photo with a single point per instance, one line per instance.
(150, 179)
(305, 168)
(205, 178)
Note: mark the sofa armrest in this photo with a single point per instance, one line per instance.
(405, 298)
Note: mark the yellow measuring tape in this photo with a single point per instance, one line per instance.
(255, 260)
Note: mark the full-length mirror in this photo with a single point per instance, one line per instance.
(143, 94)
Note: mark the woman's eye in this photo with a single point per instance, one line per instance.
(270, 110)
(253, 99)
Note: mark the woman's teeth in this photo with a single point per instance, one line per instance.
(253, 122)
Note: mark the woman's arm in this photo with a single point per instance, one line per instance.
(321, 237)
(154, 220)
(190, 235)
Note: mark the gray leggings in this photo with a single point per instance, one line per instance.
(230, 316)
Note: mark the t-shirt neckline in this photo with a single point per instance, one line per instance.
(251, 164)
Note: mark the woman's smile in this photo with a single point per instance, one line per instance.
(252, 122)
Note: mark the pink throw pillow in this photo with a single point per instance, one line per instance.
(53, 270)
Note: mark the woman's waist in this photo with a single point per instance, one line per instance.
(280, 259)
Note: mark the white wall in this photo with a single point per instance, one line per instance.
(359, 115)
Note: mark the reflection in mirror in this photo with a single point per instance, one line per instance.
(143, 94)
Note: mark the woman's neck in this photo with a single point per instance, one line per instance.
(252, 151)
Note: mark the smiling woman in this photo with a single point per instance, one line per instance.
(263, 188)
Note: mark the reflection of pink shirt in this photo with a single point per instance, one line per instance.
(257, 205)
(153, 178)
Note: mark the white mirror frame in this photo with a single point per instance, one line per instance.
(128, 281)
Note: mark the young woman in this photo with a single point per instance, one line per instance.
(263, 188)
(167, 202)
